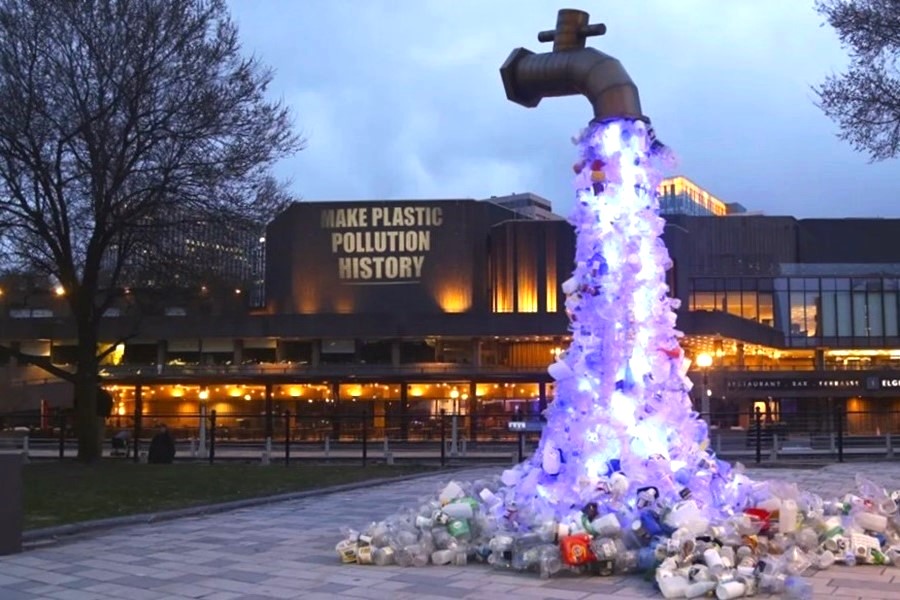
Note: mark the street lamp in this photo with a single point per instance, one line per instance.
(704, 362)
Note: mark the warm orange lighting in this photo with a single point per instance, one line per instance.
(177, 392)
(60, 291)
(704, 360)
(234, 392)
(454, 393)
(247, 397)
(294, 392)
(204, 394)
(415, 391)
(121, 409)
(454, 298)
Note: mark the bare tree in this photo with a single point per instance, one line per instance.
(865, 101)
(123, 117)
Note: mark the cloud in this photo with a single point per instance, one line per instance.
(404, 100)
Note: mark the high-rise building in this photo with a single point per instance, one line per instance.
(680, 196)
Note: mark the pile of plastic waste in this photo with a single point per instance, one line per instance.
(764, 546)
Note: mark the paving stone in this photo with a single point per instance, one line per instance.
(286, 550)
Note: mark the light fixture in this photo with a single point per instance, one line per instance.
(704, 360)
(204, 393)
(60, 290)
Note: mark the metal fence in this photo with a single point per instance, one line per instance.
(830, 435)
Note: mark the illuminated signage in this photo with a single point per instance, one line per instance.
(819, 383)
(381, 244)
(525, 426)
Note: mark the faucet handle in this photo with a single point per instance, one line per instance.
(572, 29)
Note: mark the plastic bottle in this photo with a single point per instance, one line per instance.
(671, 585)
(787, 517)
(728, 590)
(797, 588)
(442, 557)
(383, 556)
(871, 521)
(549, 563)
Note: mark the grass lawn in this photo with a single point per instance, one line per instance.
(67, 492)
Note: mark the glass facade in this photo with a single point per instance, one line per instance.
(680, 196)
(810, 311)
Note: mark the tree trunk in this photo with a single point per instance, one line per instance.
(89, 425)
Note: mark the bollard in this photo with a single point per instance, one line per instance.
(774, 453)
(327, 445)
(385, 445)
(388, 458)
(464, 446)
(26, 443)
(890, 445)
(11, 508)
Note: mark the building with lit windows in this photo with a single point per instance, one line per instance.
(680, 196)
(388, 312)
(799, 316)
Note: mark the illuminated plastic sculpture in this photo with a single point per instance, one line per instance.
(621, 419)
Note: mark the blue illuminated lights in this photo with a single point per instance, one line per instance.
(622, 388)
(623, 480)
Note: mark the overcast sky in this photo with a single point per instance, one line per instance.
(403, 99)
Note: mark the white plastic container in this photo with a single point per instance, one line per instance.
(458, 510)
(699, 589)
(451, 491)
(730, 590)
(871, 521)
(787, 517)
(672, 586)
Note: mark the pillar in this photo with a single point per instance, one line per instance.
(336, 411)
(542, 397)
(162, 350)
(740, 356)
(138, 421)
(268, 419)
(315, 358)
(820, 359)
(378, 409)
(473, 409)
(280, 351)
(237, 358)
(404, 411)
(395, 354)
(15, 347)
(476, 354)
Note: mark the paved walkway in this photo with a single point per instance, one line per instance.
(286, 550)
